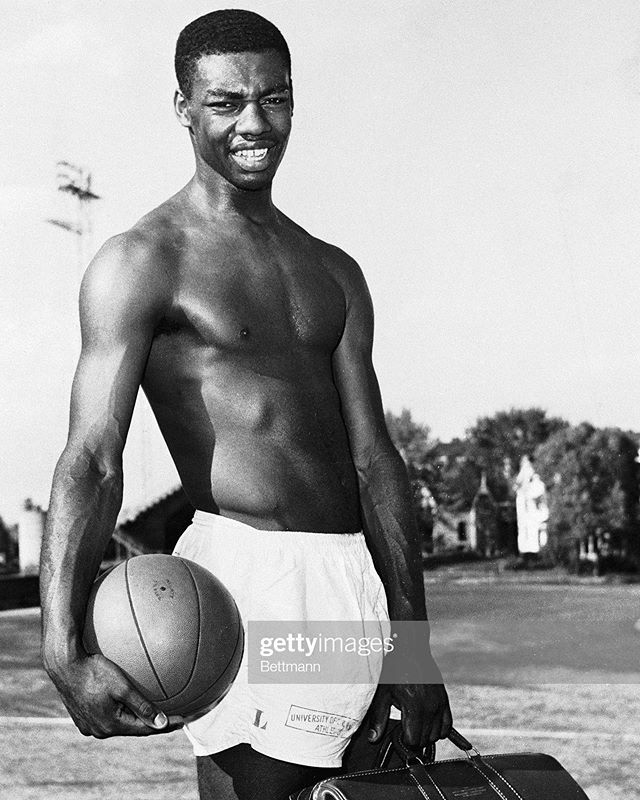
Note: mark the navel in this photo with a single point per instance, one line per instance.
(244, 333)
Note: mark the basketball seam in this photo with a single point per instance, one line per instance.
(142, 642)
(224, 670)
(195, 658)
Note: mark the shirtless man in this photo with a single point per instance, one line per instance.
(252, 341)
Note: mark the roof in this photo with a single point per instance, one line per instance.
(132, 513)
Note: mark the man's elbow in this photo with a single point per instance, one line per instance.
(382, 459)
(85, 468)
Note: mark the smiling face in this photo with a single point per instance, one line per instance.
(239, 116)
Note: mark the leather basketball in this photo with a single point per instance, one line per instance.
(171, 626)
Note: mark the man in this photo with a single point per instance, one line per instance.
(252, 341)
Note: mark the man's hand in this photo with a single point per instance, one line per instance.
(103, 703)
(426, 715)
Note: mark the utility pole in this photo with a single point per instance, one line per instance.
(75, 182)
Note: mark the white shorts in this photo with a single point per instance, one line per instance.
(288, 575)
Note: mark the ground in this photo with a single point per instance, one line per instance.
(530, 666)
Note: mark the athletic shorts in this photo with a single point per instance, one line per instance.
(278, 576)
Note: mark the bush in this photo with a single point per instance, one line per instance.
(434, 560)
(529, 561)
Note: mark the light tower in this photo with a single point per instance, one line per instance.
(75, 182)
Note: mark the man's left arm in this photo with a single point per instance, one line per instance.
(388, 518)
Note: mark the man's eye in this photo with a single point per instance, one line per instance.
(222, 105)
(274, 101)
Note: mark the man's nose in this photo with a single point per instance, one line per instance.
(252, 121)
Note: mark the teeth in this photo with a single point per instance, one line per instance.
(252, 155)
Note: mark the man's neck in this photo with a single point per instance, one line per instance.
(215, 196)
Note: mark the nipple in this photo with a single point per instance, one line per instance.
(244, 332)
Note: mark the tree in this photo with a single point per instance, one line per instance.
(494, 445)
(592, 487)
(498, 443)
(456, 476)
(411, 439)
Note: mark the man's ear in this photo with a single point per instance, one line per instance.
(291, 93)
(181, 107)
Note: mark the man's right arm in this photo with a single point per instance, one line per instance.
(123, 295)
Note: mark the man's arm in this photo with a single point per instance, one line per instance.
(389, 522)
(121, 300)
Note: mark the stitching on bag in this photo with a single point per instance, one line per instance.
(320, 784)
(398, 769)
(420, 788)
(517, 794)
(357, 774)
(501, 755)
(435, 785)
(488, 780)
(440, 761)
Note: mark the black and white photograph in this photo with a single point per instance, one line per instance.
(321, 400)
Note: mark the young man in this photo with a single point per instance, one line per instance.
(252, 341)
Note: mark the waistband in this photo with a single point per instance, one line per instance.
(222, 527)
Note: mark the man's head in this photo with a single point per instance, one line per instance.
(220, 32)
(234, 96)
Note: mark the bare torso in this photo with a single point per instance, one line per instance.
(239, 374)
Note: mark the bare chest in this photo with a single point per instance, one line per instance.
(253, 299)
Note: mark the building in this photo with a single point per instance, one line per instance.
(154, 527)
(483, 521)
(474, 528)
(450, 530)
(30, 530)
(8, 548)
(532, 510)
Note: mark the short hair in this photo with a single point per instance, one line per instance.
(226, 31)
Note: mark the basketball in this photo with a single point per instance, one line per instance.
(171, 626)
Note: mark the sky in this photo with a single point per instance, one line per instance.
(480, 159)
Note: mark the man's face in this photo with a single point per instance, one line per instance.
(239, 115)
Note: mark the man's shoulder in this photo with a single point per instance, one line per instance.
(148, 251)
(339, 263)
(135, 266)
(345, 270)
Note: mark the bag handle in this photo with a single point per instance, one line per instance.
(393, 742)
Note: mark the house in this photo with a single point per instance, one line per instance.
(531, 509)
(483, 521)
(450, 530)
(477, 527)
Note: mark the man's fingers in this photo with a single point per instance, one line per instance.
(432, 730)
(125, 723)
(412, 730)
(120, 720)
(447, 723)
(378, 714)
(438, 726)
(103, 702)
(141, 708)
(136, 716)
(132, 725)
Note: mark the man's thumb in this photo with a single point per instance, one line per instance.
(378, 716)
(160, 720)
(146, 712)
